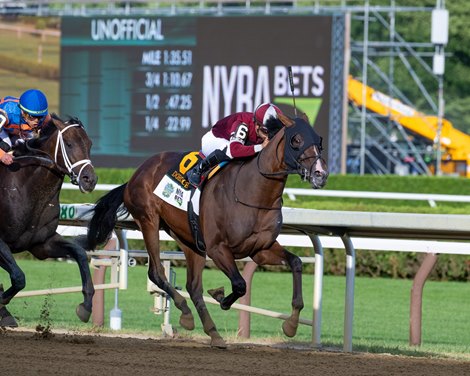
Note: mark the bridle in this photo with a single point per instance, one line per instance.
(74, 178)
(292, 154)
(292, 159)
(68, 165)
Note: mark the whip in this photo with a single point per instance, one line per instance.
(291, 83)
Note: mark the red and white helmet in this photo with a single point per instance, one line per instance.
(264, 111)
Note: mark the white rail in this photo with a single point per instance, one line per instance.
(292, 193)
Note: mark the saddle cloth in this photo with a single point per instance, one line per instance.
(175, 189)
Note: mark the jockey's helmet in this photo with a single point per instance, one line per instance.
(264, 112)
(34, 102)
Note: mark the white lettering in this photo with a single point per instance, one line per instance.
(152, 123)
(307, 80)
(262, 86)
(152, 57)
(210, 96)
(241, 88)
(318, 84)
(245, 89)
(228, 85)
(281, 81)
(126, 29)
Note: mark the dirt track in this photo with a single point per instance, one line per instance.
(27, 353)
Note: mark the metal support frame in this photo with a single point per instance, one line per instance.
(349, 297)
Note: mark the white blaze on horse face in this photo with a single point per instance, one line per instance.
(319, 173)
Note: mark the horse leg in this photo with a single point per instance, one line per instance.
(56, 247)
(18, 282)
(224, 260)
(277, 255)
(156, 272)
(194, 266)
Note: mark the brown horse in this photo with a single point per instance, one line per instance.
(240, 216)
(30, 205)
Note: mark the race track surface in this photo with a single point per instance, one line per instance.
(29, 353)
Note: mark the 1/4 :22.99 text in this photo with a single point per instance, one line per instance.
(178, 123)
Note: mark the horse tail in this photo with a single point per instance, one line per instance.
(105, 214)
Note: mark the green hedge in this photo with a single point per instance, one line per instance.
(398, 265)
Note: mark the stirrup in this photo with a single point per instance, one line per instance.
(194, 177)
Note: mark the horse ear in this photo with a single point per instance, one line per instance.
(54, 119)
(305, 117)
(288, 122)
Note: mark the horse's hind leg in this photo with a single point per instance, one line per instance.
(277, 255)
(56, 247)
(195, 265)
(156, 272)
(18, 282)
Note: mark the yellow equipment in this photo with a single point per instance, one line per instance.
(455, 144)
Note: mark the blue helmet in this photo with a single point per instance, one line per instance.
(34, 102)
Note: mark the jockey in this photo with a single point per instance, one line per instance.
(239, 135)
(19, 119)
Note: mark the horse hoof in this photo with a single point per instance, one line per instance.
(6, 319)
(187, 321)
(8, 322)
(218, 294)
(218, 343)
(289, 329)
(82, 313)
(225, 306)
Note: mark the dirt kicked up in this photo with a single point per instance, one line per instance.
(32, 353)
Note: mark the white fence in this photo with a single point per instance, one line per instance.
(292, 193)
(388, 231)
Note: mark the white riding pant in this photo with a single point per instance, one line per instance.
(209, 143)
(4, 136)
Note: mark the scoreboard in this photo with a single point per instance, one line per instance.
(144, 84)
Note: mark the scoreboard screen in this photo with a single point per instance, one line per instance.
(145, 84)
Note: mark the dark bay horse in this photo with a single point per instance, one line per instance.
(240, 216)
(29, 204)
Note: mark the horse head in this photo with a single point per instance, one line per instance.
(68, 145)
(302, 151)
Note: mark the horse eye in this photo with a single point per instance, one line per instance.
(296, 142)
(69, 144)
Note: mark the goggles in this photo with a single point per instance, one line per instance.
(33, 118)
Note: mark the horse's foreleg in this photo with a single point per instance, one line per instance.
(56, 247)
(277, 255)
(195, 265)
(224, 260)
(156, 272)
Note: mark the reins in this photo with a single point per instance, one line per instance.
(272, 174)
(266, 175)
(290, 157)
(250, 205)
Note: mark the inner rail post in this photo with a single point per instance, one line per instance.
(349, 298)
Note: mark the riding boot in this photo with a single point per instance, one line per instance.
(4, 146)
(212, 160)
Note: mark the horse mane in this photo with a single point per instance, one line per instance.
(273, 126)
